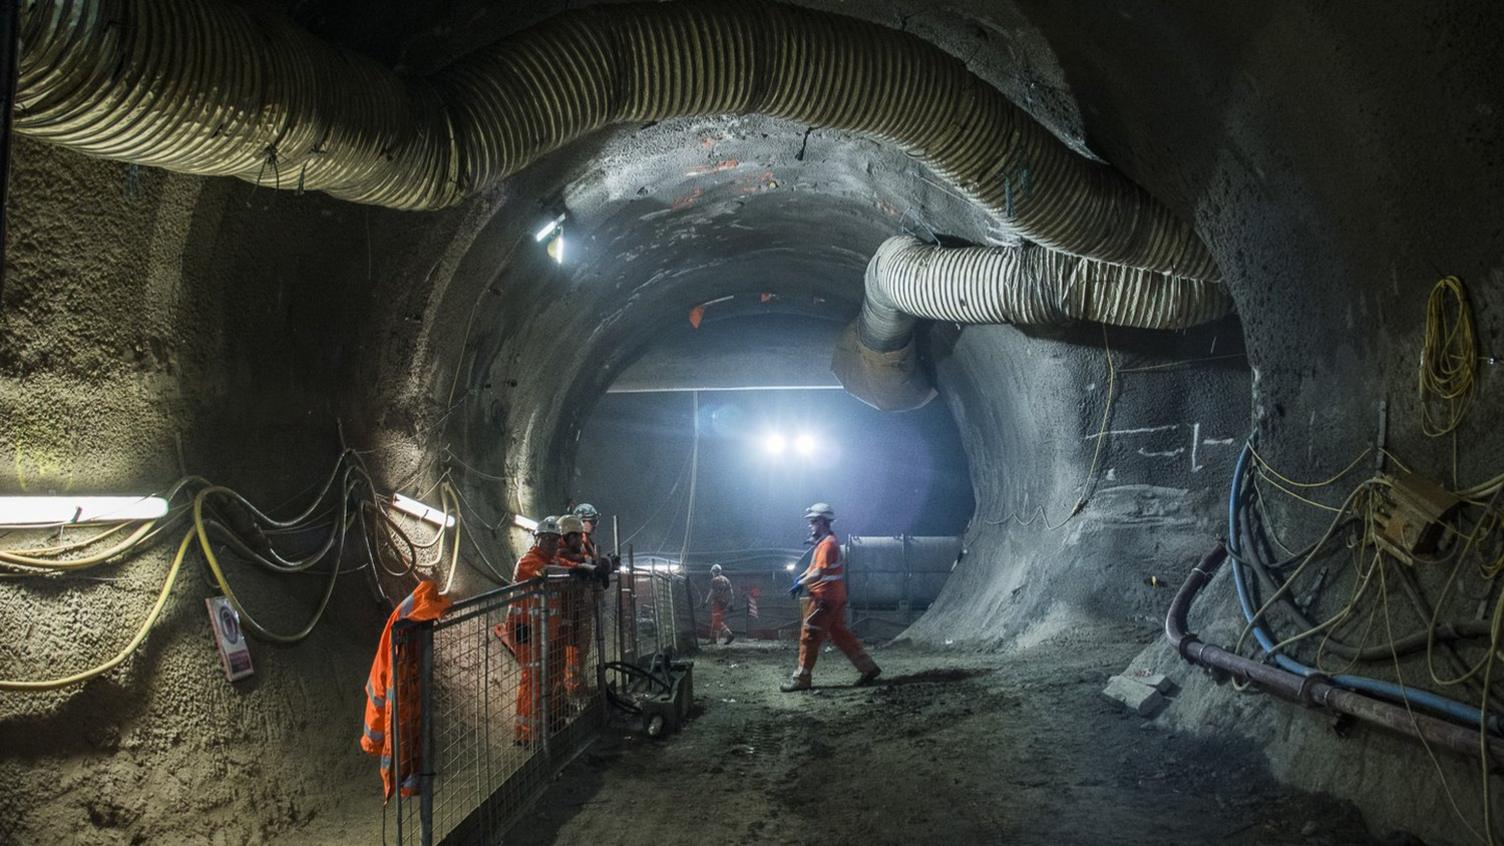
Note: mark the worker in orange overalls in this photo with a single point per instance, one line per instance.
(524, 633)
(719, 599)
(387, 685)
(826, 618)
(590, 517)
(578, 603)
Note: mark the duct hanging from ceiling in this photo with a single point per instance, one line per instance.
(211, 88)
(876, 358)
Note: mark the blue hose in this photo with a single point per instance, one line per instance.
(1459, 711)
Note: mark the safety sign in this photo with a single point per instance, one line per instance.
(234, 652)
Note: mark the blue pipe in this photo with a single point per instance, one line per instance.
(1460, 711)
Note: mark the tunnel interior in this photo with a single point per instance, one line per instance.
(661, 293)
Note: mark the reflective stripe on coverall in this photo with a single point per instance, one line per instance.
(422, 605)
(826, 614)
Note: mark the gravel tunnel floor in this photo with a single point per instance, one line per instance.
(950, 747)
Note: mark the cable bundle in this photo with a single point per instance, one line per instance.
(221, 520)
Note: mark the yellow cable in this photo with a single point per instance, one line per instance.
(1091, 472)
(1415, 724)
(1448, 357)
(78, 563)
(151, 619)
(246, 619)
(1321, 484)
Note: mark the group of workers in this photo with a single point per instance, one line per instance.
(823, 614)
(565, 546)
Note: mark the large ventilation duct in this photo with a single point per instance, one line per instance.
(211, 88)
(876, 358)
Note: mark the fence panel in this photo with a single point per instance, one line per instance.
(508, 686)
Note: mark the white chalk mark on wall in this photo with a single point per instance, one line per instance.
(1142, 431)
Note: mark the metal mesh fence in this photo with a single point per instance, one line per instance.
(509, 695)
(508, 689)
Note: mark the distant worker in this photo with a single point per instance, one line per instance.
(719, 599)
(826, 616)
(523, 633)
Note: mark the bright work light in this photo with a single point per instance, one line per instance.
(423, 512)
(52, 510)
(774, 444)
(548, 228)
(805, 444)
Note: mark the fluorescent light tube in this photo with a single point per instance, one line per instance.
(52, 510)
(422, 512)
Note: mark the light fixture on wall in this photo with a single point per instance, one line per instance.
(57, 510)
(522, 522)
(426, 513)
(549, 228)
(553, 233)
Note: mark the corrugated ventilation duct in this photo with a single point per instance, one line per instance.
(215, 89)
(907, 279)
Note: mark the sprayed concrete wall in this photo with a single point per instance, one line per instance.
(1336, 159)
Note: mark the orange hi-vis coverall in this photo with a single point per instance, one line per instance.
(382, 688)
(826, 616)
(524, 633)
(578, 617)
(720, 602)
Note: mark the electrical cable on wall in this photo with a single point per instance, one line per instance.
(348, 498)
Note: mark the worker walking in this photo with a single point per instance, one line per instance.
(525, 631)
(826, 615)
(719, 599)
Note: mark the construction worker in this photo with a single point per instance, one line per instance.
(591, 518)
(579, 603)
(825, 578)
(524, 633)
(719, 599)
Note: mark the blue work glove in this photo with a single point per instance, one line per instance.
(796, 590)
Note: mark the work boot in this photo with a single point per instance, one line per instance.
(729, 638)
(869, 676)
(796, 683)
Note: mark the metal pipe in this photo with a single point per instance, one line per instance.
(1313, 690)
(214, 88)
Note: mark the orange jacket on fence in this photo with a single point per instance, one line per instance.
(830, 584)
(423, 604)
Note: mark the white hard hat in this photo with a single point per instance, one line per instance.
(586, 511)
(715, 569)
(548, 526)
(820, 509)
(571, 524)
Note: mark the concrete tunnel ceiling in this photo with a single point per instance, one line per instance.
(1335, 161)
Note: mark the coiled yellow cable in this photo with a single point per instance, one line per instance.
(1448, 357)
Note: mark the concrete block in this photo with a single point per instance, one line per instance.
(1135, 695)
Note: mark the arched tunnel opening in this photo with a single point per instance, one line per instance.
(1142, 355)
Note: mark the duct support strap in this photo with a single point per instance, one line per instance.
(210, 88)
(876, 358)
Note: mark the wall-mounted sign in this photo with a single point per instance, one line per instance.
(234, 652)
